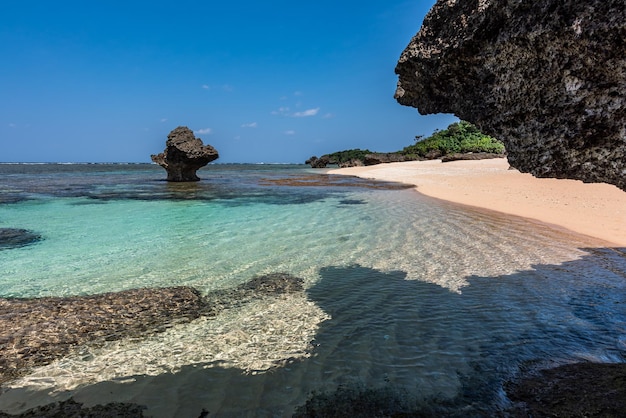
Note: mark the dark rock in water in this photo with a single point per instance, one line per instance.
(34, 332)
(73, 409)
(572, 390)
(545, 77)
(360, 401)
(184, 154)
(471, 156)
(16, 237)
(352, 202)
(331, 180)
(273, 284)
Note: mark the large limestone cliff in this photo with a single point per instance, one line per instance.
(548, 78)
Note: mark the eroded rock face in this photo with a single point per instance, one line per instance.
(547, 78)
(321, 162)
(184, 154)
(383, 158)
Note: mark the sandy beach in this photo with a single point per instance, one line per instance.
(596, 210)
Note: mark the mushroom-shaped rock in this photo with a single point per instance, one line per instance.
(548, 78)
(184, 154)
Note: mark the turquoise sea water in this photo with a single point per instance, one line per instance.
(403, 293)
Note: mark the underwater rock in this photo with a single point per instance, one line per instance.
(34, 332)
(361, 401)
(16, 237)
(331, 180)
(547, 78)
(73, 409)
(184, 154)
(578, 389)
(273, 284)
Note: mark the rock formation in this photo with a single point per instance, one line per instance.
(38, 331)
(355, 162)
(470, 156)
(367, 159)
(384, 157)
(17, 237)
(547, 78)
(184, 154)
(321, 162)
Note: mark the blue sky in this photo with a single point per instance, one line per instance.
(261, 82)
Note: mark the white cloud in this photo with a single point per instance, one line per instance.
(12, 125)
(328, 116)
(204, 131)
(285, 111)
(163, 120)
(249, 125)
(306, 113)
(290, 132)
(297, 93)
(282, 111)
(223, 87)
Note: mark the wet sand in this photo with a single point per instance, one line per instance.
(596, 210)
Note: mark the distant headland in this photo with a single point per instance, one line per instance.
(460, 141)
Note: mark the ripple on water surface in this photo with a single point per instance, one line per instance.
(402, 292)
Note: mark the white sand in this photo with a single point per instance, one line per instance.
(597, 210)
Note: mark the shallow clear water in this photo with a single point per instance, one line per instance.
(401, 291)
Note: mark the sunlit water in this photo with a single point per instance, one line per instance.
(404, 292)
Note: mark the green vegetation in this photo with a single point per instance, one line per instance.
(460, 137)
(348, 155)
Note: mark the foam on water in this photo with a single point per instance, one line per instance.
(401, 291)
